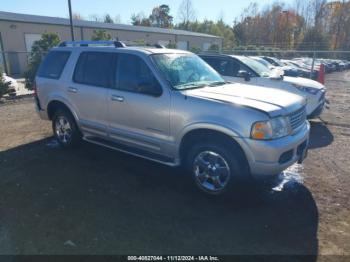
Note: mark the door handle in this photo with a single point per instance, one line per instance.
(117, 98)
(72, 90)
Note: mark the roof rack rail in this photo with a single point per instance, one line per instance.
(159, 46)
(118, 44)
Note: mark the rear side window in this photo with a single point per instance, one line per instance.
(53, 64)
(95, 68)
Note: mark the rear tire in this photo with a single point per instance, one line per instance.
(65, 129)
(215, 168)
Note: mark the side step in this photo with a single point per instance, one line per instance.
(131, 150)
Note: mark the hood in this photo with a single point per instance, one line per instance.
(276, 73)
(289, 68)
(303, 82)
(272, 101)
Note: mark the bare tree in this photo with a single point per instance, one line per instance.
(186, 12)
(96, 18)
(77, 16)
(117, 19)
(140, 20)
(108, 19)
(221, 16)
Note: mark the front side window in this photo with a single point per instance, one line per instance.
(53, 64)
(134, 75)
(224, 67)
(185, 71)
(95, 69)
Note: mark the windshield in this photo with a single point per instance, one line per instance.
(262, 61)
(186, 71)
(288, 63)
(277, 61)
(259, 68)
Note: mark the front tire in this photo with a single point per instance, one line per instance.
(214, 167)
(65, 129)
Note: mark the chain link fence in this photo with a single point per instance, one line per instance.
(16, 63)
(310, 58)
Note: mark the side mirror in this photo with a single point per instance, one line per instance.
(244, 74)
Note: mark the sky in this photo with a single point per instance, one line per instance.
(210, 9)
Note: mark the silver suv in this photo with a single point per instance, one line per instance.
(171, 107)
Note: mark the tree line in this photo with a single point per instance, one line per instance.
(301, 25)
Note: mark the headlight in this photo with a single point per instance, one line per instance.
(310, 90)
(272, 129)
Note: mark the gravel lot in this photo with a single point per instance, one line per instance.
(93, 200)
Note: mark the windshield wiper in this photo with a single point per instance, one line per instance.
(190, 86)
(217, 83)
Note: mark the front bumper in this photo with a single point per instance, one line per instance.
(268, 158)
(317, 112)
(315, 105)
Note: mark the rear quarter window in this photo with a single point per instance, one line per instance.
(53, 64)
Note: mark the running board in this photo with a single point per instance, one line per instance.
(131, 151)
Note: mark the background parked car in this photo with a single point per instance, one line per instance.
(243, 69)
(288, 70)
(13, 85)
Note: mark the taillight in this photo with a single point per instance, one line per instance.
(35, 89)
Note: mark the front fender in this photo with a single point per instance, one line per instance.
(204, 125)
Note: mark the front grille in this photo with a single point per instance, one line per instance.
(297, 118)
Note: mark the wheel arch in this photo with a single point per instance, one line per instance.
(55, 104)
(201, 134)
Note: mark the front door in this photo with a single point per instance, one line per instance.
(138, 107)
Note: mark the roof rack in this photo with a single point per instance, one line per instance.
(92, 43)
(159, 46)
(117, 44)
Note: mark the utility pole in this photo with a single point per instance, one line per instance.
(71, 19)
(287, 27)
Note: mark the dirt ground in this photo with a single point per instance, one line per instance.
(93, 200)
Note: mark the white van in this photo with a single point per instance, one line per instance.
(246, 70)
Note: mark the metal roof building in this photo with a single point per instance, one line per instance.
(19, 31)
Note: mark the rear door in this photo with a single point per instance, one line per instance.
(88, 89)
(138, 106)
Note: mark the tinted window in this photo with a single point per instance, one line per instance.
(214, 63)
(134, 75)
(237, 66)
(95, 68)
(53, 64)
(225, 67)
